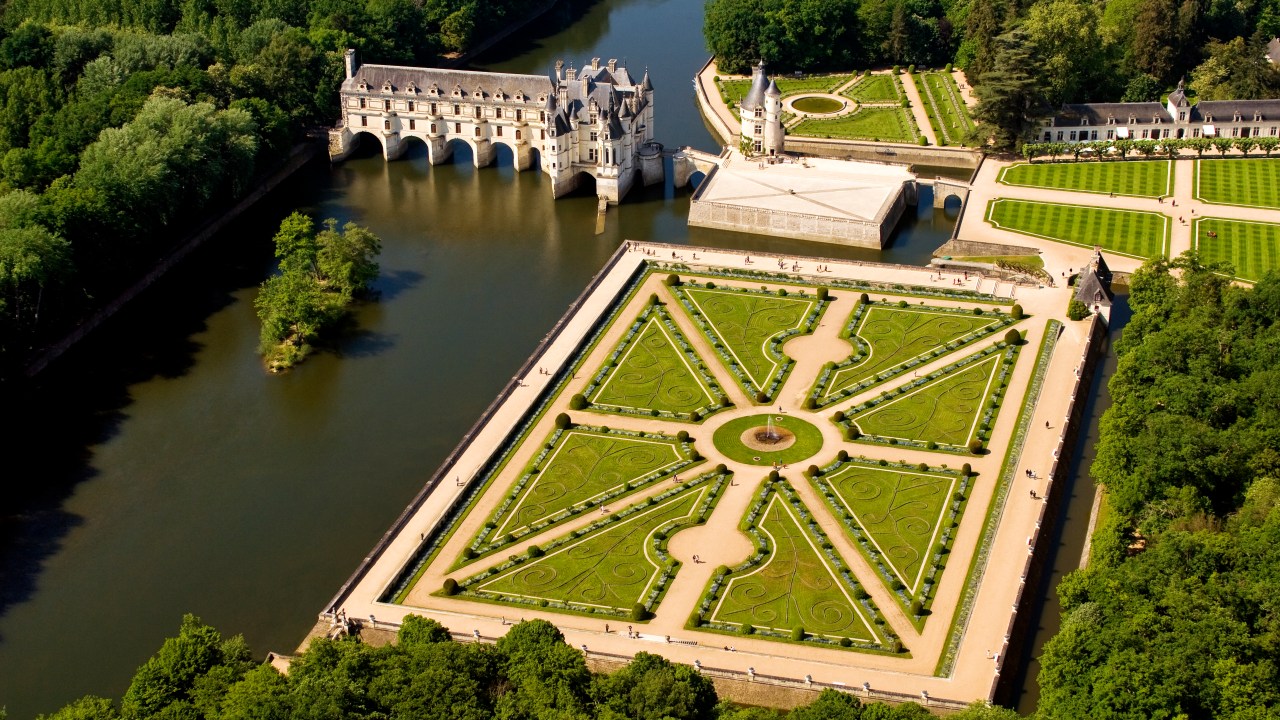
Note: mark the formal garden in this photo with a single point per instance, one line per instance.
(1136, 233)
(1141, 178)
(944, 106)
(1251, 248)
(869, 122)
(576, 516)
(1247, 182)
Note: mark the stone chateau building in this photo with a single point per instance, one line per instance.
(597, 122)
(761, 112)
(1177, 118)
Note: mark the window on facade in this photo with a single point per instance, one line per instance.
(477, 131)
(542, 134)
(759, 112)
(519, 115)
(386, 104)
(1047, 136)
(498, 131)
(1072, 136)
(591, 154)
(517, 134)
(363, 103)
(1182, 116)
(1273, 131)
(1093, 134)
(457, 109)
(457, 127)
(759, 130)
(593, 118)
(411, 106)
(433, 128)
(1111, 134)
(542, 117)
(758, 146)
(1235, 132)
(1059, 136)
(479, 112)
(1195, 132)
(386, 124)
(1146, 134)
(497, 112)
(594, 136)
(413, 124)
(364, 121)
(433, 109)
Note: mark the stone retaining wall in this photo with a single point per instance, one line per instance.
(963, 248)
(745, 218)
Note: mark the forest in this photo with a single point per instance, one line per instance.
(126, 123)
(1023, 58)
(1178, 612)
(529, 674)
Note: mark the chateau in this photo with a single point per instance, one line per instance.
(1177, 118)
(762, 115)
(597, 122)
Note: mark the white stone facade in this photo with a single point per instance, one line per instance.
(596, 122)
(761, 112)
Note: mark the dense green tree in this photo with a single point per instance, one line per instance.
(652, 688)
(1010, 102)
(984, 23)
(1142, 88)
(1236, 70)
(86, 708)
(1073, 58)
(550, 678)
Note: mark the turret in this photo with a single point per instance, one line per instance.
(774, 133)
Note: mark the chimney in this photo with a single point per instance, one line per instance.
(560, 70)
(613, 64)
(350, 58)
(595, 63)
(570, 74)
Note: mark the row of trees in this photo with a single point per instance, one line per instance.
(125, 122)
(1150, 148)
(1178, 611)
(321, 274)
(530, 674)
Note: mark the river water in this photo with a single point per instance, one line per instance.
(170, 474)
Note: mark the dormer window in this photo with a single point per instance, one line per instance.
(363, 86)
(1257, 116)
(1111, 120)
(1237, 118)
(411, 88)
(1182, 116)
(479, 93)
(593, 118)
(1208, 118)
(457, 91)
(499, 95)
(519, 96)
(1084, 121)
(386, 87)
(1132, 119)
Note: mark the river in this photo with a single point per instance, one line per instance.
(170, 474)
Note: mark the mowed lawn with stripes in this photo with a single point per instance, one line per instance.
(1137, 178)
(1128, 232)
(1252, 248)
(1248, 182)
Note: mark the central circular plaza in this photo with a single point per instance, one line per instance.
(767, 439)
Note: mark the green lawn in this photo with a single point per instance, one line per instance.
(1248, 182)
(900, 512)
(881, 124)
(580, 466)
(1136, 233)
(794, 585)
(808, 440)
(1252, 248)
(611, 568)
(889, 338)
(945, 107)
(747, 328)
(947, 411)
(1137, 178)
(655, 368)
(876, 89)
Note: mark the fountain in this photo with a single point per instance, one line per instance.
(769, 435)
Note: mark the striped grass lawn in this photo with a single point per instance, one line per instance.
(1137, 178)
(1248, 182)
(1252, 248)
(1134, 233)
(875, 89)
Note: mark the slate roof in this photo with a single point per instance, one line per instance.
(400, 78)
(759, 84)
(1094, 286)
(1073, 115)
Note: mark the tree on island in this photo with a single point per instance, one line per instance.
(321, 274)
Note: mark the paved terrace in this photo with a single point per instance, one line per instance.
(981, 651)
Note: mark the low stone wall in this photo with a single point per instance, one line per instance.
(761, 221)
(963, 248)
(884, 152)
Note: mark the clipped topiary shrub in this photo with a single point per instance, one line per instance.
(672, 280)
(923, 467)
(797, 633)
(1016, 312)
(683, 436)
(864, 299)
(1077, 310)
(563, 422)
(535, 551)
(762, 397)
(814, 471)
(823, 294)
(1013, 337)
(842, 456)
(854, 433)
(975, 446)
(639, 613)
(915, 608)
(846, 642)
(450, 586)
(577, 402)
(721, 469)
(966, 470)
(748, 629)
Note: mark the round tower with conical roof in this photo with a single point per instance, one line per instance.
(761, 112)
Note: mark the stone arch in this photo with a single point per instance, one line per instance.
(447, 147)
(521, 152)
(356, 138)
(696, 179)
